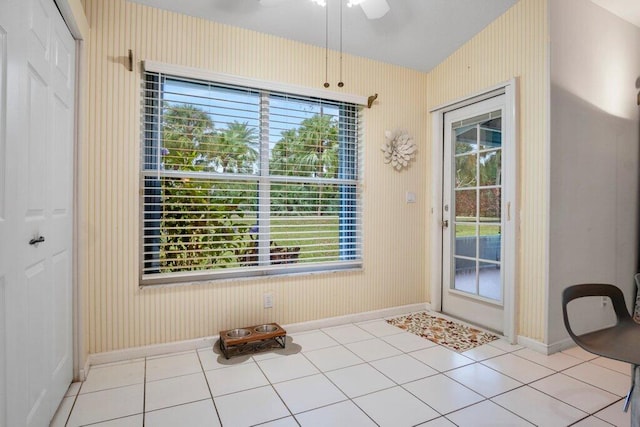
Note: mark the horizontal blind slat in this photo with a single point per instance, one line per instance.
(207, 183)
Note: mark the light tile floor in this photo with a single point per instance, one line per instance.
(363, 374)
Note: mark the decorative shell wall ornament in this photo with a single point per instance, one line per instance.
(399, 149)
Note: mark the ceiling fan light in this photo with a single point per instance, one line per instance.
(375, 9)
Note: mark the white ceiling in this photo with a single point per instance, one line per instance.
(417, 34)
(628, 10)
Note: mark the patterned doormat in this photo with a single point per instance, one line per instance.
(452, 335)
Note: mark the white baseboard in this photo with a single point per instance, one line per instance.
(82, 373)
(198, 343)
(534, 345)
(561, 345)
(355, 318)
(149, 350)
(543, 348)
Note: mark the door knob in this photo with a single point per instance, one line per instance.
(445, 223)
(36, 240)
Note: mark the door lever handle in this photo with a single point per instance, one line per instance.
(36, 240)
(445, 223)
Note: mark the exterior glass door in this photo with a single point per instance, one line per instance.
(473, 213)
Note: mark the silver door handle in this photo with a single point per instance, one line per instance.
(36, 240)
(445, 223)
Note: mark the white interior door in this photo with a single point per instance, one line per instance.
(474, 213)
(37, 66)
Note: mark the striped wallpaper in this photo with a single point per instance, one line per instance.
(514, 45)
(117, 313)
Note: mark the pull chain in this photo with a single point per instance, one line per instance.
(340, 83)
(326, 46)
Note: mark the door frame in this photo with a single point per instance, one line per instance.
(510, 90)
(73, 14)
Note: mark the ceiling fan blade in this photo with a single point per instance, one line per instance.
(375, 9)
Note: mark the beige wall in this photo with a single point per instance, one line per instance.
(117, 314)
(515, 45)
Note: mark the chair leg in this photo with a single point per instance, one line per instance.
(635, 396)
(627, 400)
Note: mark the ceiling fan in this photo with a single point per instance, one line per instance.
(373, 9)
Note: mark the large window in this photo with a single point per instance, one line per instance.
(239, 181)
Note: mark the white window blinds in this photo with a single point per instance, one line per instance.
(238, 182)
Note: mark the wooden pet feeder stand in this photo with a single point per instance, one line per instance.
(251, 339)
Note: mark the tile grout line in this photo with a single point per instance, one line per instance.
(509, 410)
(484, 399)
(144, 394)
(592, 385)
(382, 373)
(556, 372)
(587, 414)
(618, 397)
(528, 384)
(584, 419)
(274, 390)
(215, 407)
(73, 405)
(348, 398)
(177, 405)
(438, 372)
(344, 345)
(277, 419)
(603, 420)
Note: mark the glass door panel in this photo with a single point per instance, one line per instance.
(476, 184)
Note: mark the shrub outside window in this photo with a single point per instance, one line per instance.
(240, 181)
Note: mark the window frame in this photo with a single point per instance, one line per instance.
(350, 252)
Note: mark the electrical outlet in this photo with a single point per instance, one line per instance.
(410, 197)
(268, 300)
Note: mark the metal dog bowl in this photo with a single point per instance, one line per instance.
(238, 333)
(265, 329)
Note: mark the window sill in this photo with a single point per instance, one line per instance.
(263, 277)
